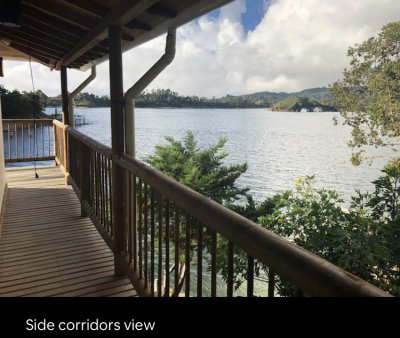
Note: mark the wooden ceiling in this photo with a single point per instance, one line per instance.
(73, 33)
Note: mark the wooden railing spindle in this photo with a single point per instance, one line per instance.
(167, 211)
(200, 261)
(230, 271)
(187, 256)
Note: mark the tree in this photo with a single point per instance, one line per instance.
(368, 96)
(384, 205)
(22, 105)
(3, 91)
(201, 170)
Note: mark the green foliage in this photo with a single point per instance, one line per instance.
(270, 98)
(368, 95)
(314, 220)
(168, 98)
(296, 103)
(384, 205)
(204, 171)
(364, 240)
(83, 99)
(22, 105)
(201, 170)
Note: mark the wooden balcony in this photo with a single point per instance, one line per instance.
(162, 239)
(47, 248)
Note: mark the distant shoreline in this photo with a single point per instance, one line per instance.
(164, 107)
(202, 108)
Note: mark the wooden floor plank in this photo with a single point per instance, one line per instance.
(23, 260)
(112, 291)
(61, 286)
(26, 243)
(53, 261)
(103, 284)
(78, 287)
(47, 248)
(72, 277)
(12, 277)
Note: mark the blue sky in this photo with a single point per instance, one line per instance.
(255, 11)
(245, 47)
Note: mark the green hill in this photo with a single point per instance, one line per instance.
(271, 98)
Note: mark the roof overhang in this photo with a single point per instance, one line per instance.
(73, 33)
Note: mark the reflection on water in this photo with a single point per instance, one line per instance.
(278, 147)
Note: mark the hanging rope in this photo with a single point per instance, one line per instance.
(35, 150)
(34, 124)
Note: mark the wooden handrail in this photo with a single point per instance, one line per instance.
(92, 144)
(28, 121)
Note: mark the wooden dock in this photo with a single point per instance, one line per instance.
(47, 248)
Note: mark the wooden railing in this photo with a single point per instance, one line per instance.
(177, 242)
(27, 140)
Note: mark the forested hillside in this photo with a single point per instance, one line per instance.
(297, 103)
(168, 98)
(22, 105)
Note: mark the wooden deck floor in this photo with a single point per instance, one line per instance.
(46, 247)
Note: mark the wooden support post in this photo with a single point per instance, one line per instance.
(65, 116)
(117, 140)
(64, 95)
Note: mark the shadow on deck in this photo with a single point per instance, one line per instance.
(47, 248)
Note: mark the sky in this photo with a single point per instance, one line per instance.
(245, 47)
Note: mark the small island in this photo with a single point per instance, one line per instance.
(301, 104)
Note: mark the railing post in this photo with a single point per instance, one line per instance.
(54, 144)
(66, 155)
(117, 140)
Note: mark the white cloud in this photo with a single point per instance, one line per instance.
(297, 45)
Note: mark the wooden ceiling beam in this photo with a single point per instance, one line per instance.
(34, 15)
(34, 57)
(163, 11)
(55, 9)
(125, 12)
(34, 46)
(43, 35)
(37, 54)
(29, 37)
(126, 35)
(88, 7)
(45, 30)
(57, 38)
(135, 24)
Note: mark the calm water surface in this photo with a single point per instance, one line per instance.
(279, 147)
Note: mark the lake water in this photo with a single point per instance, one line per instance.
(279, 147)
